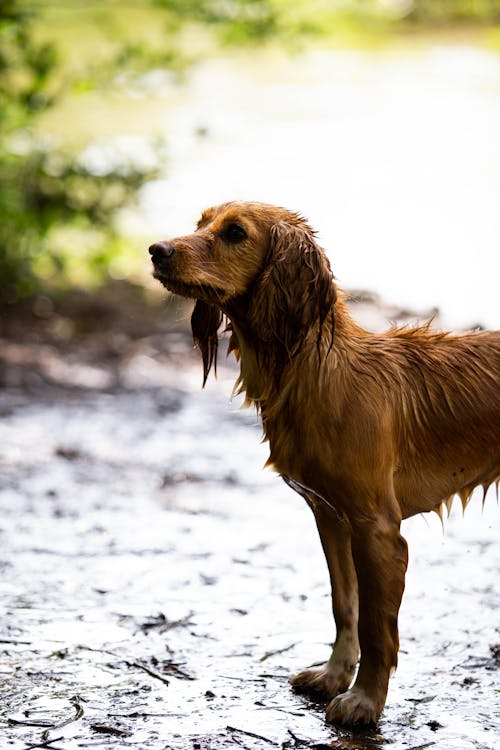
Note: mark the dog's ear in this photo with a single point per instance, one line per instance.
(295, 289)
(205, 321)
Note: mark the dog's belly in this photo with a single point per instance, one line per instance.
(352, 474)
(419, 486)
(424, 489)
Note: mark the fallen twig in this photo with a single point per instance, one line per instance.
(148, 670)
(79, 712)
(129, 663)
(103, 729)
(251, 734)
(297, 740)
(268, 654)
(14, 642)
(160, 622)
(148, 714)
(47, 743)
(177, 671)
(169, 624)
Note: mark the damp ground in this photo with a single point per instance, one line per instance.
(158, 587)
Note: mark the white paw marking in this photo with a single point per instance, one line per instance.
(336, 674)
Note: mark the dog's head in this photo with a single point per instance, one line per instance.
(256, 263)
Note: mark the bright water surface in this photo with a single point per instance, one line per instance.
(394, 158)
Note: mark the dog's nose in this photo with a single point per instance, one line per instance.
(161, 250)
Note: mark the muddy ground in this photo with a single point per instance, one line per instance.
(159, 587)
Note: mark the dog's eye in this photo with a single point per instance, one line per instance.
(233, 233)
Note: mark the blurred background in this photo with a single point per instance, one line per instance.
(378, 119)
(156, 583)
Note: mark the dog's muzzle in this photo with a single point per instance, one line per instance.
(161, 252)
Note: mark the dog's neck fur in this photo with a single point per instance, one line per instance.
(264, 364)
(281, 384)
(293, 392)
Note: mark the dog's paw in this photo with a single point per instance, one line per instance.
(325, 680)
(353, 707)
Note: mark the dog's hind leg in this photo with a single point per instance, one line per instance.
(337, 673)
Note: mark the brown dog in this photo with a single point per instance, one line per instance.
(369, 428)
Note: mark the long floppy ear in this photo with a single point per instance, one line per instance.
(295, 289)
(205, 322)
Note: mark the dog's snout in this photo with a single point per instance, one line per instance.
(161, 250)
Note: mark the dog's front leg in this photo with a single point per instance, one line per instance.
(380, 557)
(337, 673)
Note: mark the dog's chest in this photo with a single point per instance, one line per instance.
(298, 431)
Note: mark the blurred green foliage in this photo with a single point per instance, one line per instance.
(450, 11)
(54, 204)
(42, 188)
(235, 20)
(240, 20)
(56, 210)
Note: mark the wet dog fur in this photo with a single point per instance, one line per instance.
(369, 428)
